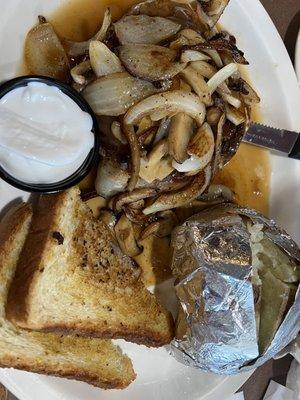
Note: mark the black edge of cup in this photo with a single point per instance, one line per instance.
(92, 157)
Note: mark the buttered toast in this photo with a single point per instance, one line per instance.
(95, 361)
(73, 278)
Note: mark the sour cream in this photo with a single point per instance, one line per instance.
(44, 135)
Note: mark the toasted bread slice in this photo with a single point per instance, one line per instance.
(95, 361)
(73, 278)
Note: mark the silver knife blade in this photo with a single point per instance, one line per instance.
(272, 138)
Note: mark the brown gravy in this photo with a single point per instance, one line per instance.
(248, 173)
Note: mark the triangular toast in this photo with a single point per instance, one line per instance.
(73, 278)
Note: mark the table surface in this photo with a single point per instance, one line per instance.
(286, 16)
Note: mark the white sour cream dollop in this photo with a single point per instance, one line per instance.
(44, 135)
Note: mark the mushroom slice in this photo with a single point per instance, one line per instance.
(125, 237)
(163, 129)
(157, 166)
(147, 137)
(213, 115)
(117, 132)
(167, 222)
(44, 53)
(171, 102)
(78, 72)
(103, 60)
(145, 124)
(193, 55)
(180, 133)
(150, 230)
(136, 215)
(114, 94)
(201, 149)
(221, 76)
(108, 218)
(75, 49)
(218, 163)
(144, 29)
(197, 82)
(183, 196)
(150, 62)
(135, 155)
(133, 197)
(235, 116)
(111, 178)
(185, 86)
(205, 69)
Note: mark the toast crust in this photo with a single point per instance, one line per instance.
(22, 298)
(35, 246)
(72, 374)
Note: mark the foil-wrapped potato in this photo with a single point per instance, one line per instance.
(237, 280)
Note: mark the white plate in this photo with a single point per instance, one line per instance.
(158, 375)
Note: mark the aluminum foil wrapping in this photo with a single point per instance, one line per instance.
(216, 327)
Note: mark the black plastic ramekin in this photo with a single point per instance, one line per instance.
(92, 157)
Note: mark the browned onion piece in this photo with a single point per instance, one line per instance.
(251, 97)
(144, 29)
(75, 49)
(78, 72)
(183, 14)
(221, 42)
(217, 164)
(111, 177)
(103, 60)
(44, 53)
(171, 103)
(216, 9)
(150, 62)
(114, 94)
(183, 196)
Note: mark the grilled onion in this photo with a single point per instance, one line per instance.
(44, 53)
(171, 102)
(103, 60)
(78, 72)
(115, 93)
(150, 62)
(75, 49)
(112, 177)
(144, 29)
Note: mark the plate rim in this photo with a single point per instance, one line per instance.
(269, 31)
